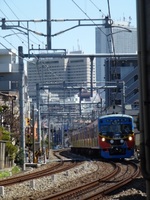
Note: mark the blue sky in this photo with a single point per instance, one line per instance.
(82, 38)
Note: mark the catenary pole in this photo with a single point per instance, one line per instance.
(91, 60)
(48, 24)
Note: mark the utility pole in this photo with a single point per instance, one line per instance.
(143, 20)
(123, 97)
(38, 114)
(62, 132)
(21, 102)
(49, 137)
(80, 110)
(49, 131)
(33, 131)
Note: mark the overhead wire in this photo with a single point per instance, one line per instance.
(21, 22)
(30, 32)
(104, 15)
(114, 51)
(72, 0)
(111, 45)
(13, 31)
(28, 47)
(97, 7)
(111, 34)
(25, 41)
(14, 49)
(99, 28)
(88, 16)
(21, 39)
(42, 64)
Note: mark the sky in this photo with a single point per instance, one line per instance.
(80, 38)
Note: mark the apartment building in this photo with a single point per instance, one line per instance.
(8, 67)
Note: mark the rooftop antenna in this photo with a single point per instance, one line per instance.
(78, 45)
(130, 19)
(124, 19)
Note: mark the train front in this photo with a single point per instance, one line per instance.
(116, 136)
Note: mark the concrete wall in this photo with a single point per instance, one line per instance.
(2, 154)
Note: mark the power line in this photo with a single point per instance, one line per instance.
(97, 7)
(88, 16)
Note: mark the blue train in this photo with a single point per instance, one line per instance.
(110, 136)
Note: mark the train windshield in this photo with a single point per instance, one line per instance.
(111, 127)
(108, 130)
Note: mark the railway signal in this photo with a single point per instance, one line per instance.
(28, 122)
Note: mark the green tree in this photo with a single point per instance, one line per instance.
(11, 119)
(19, 159)
(10, 127)
(11, 150)
(4, 134)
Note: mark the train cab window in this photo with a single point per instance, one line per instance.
(103, 129)
(126, 129)
(114, 129)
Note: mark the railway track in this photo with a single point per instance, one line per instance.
(51, 169)
(126, 175)
(121, 174)
(104, 178)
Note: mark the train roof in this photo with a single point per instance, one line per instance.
(115, 115)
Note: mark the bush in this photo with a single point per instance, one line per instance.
(4, 174)
(15, 170)
(11, 150)
(19, 159)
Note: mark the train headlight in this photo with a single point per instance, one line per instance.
(130, 138)
(103, 139)
(121, 141)
(111, 141)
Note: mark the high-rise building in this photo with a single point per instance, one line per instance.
(121, 38)
(44, 71)
(71, 71)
